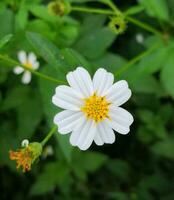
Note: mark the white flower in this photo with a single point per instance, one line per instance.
(29, 61)
(92, 108)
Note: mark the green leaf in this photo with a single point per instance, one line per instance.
(95, 43)
(47, 90)
(146, 84)
(154, 123)
(29, 115)
(5, 40)
(111, 62)
(120, 169)
(12, 100)
(134, 10)
(166, 75)
(81, 160)
(154, 61)
(49, 52)
(54, 174)
(41, 27)
(21, 17)
(7, 22)
(74, 59)
(8, 142)
(42, 12)
(164, 148)
(156, 8)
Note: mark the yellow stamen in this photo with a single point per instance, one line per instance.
(23, 157)
(28, 65)
(96, 108)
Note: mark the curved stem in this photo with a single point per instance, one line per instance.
(135, 59)
(115, 12)
(15, 63)
(45, 140)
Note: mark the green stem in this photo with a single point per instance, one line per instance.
(45, 140)
(117, 12)
(143, 25)
(92, 10)
(136, 59)
(15, 63)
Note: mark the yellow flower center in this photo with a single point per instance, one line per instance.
(28, 65)
(96, 108)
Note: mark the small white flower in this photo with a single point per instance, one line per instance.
(139, 38)
(29, 61)
(92, 108)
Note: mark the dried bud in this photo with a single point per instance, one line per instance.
(59, 7)
(26, 155)
(117, 24)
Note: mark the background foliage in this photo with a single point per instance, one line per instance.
(139, 166)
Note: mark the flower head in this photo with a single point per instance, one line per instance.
(92, 108)
(59, 7)
(26, 156)
(30, 62)
(117, 24)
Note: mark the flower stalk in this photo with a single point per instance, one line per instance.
(45, 140)
(14, 63)
(116, 12)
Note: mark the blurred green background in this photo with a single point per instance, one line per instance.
(139, 166)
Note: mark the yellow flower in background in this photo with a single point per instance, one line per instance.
(92, 108)
(29, 61)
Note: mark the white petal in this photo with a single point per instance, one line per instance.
(83, 134)
(87, 135)
(66, 120)
(26, 78)
(32, 58)
(119, 93)
(106, 133)
(35, 65)
(67, 98)
(122, 115)
(18, 70)
(77, 131)
(102, 81)
(81, 81)
(22, 56)
(98, 140)
(120, 120)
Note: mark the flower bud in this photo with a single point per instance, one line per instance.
(117, 24)
(59, 7)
